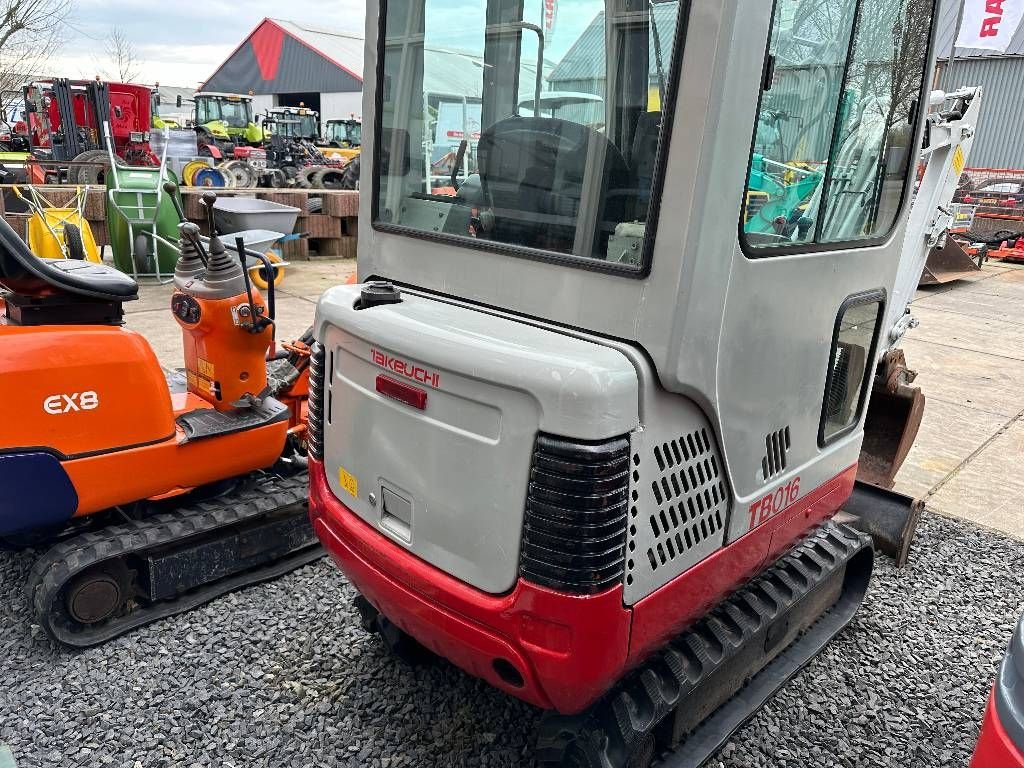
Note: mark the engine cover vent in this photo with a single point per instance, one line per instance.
(680, 509)
(690, 495)
(574, 531)
(776, 445)
(315, 432)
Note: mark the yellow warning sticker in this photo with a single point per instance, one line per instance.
(959, 161)
(348, 482)
(205, 368)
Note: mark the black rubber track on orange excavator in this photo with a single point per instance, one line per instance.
(253, 534)
(682, 705)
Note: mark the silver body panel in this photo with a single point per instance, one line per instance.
(711, 339)
(460, 467)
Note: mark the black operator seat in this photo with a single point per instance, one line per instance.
(24, 274)
(532, 172)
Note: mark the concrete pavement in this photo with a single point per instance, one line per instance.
(296, 301)
(968, 461)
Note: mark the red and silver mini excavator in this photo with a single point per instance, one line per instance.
(585, 424)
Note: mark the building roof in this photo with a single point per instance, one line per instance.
(585, 60)
(948, 19)
(344, 48)
(169, 97)
(286, 57)
(282, 56)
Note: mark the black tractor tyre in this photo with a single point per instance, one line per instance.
(314, 205)
(290, 174)
(306, 177)
(329, 178)
(275, 178)
(93, 174)
(73, 241)
(350, 174)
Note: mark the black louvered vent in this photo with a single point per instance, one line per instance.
(574, 534)
(315, 434)
(776, 447)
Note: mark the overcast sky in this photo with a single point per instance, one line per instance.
(181, 42)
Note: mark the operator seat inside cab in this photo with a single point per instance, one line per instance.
(59, 291)
(532, 172)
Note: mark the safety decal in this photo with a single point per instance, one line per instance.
(348, 482)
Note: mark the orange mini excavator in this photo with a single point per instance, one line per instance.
(161, 491)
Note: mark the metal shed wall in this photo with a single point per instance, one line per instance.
(1000, 140)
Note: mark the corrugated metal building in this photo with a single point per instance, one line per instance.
(1000, 140)
(583, 68)
(284, 63)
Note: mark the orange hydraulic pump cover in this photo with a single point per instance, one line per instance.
(223, 360)
(81, 389)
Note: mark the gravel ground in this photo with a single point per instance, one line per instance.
(281, 675)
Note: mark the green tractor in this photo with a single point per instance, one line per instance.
(157, 122)
(224, 121)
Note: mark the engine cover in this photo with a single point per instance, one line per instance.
(421, 395)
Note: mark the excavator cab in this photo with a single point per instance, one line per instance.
(583, 426)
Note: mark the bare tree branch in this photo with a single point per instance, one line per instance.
(123, 57)
(30, 32)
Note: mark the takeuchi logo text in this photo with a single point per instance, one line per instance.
(406, 369)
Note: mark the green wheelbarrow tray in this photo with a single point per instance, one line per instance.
(141, 220)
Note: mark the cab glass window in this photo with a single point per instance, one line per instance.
(833, 148)
(524, 126)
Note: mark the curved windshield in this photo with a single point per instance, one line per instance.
(525, 125)
(345, 132)
(237, 113)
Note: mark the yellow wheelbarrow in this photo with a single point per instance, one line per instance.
(59, 232)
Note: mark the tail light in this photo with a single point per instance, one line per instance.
(315, 432)
(577, 509)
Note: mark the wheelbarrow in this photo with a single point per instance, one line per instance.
(260, 241)
(141, 218)
(59, 231)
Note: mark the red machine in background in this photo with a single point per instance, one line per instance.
(65, 126)
(1001, 744)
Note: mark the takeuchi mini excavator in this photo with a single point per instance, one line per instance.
(585, 426)
(161, 491)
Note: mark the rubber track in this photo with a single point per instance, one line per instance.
(58, 566)
(666, 712)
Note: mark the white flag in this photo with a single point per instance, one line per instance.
(989, 23)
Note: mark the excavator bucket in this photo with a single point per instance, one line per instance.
(948, 263)
(893, 420)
